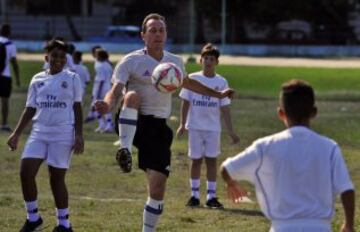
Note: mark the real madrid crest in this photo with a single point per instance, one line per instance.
(64, 84)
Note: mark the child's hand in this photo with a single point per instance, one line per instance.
(346, 228)
(13, 141)
(180, 131)
(78, 147)
(101, 107)
(235, 192)
(234, 137)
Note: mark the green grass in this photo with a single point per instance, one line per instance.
(103, 199)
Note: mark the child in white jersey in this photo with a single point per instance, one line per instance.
(297, 173)
(81, 70)
(54, 105)
(200, 115)
(102, 84)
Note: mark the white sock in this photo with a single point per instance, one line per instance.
(211, 190)
(32, 213)
(195, 188)
(63, 217)
(152, 211)
(101, 121)
(127, 127)
(108, 119)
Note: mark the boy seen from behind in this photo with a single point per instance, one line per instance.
(200, 115)
(297, 173)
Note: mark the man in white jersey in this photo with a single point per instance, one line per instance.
(5, 76)
(81, 70)
(297, 173)
(153, 137)
(54, 105)
(200, 115)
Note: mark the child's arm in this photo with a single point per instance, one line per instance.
(79, 141)
(348, 202)
(25, 118)
(183, 116)
(235, 191)
(225, 110)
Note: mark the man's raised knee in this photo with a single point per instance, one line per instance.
(132, 100)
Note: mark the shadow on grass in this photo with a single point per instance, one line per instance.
(247, 212)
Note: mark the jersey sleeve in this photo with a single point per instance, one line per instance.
(78, 90)
(243, 166)
(12, 51)
(122, 72)
(31, 96)
(225, 101)
(185, 94)
(341, 179)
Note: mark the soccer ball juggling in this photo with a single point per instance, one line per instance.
(166, 77)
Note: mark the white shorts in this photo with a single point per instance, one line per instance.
(305, 225)
(204, 143)
(56, 153)
(99, 94)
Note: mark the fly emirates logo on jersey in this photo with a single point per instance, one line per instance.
(205, 102)
(51, 102)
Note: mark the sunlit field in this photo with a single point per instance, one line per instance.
(104, 199)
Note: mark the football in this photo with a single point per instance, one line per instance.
(166, 77)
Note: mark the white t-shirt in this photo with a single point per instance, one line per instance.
(297, 174)
(204, 111)
(83, 73)
(10, 53)
(135, 70)
(54, 96)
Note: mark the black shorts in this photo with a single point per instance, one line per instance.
(153, 140)
(5, 87)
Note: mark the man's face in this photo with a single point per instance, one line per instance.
(56, 59)
(209, 62)
(155, 34)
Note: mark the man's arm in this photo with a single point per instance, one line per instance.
(348, 202)
(197, 87)
(111, 99)
(16, 70)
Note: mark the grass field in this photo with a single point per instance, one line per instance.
(103, 199)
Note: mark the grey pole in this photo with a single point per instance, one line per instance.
(223, 25)
(192, 33)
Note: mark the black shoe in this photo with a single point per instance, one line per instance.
(193, 202)
(89, 119)
(124, 159)
(213, 203)
(62, 229)
(6, 128)
(31, 226)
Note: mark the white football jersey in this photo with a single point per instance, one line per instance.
(83, 73)
(297, 174)
(135, 71)
(54, 96)
(204, 111)
(10, 53)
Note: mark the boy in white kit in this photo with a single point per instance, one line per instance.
(297, 173)
(200, 115)
(81, 70)
(102, 84)
(54, 105)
